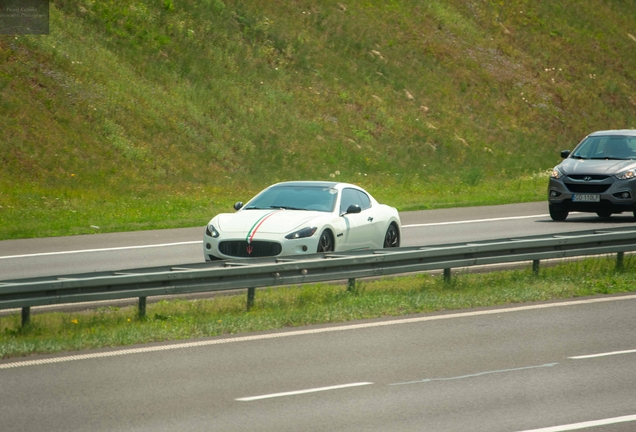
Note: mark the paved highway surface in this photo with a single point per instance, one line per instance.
(117, 251)
(546, 366)
(510, 369)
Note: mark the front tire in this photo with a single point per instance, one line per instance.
(557, 214)
(325, 242)
(392, 237)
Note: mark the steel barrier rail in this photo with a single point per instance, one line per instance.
(266, 272)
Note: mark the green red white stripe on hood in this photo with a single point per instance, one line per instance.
(257, 225)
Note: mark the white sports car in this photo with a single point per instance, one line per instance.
(302, 217)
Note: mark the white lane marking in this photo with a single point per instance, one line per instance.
(277, 335)
(299, 392)
(475, 374)
(201, 241)
(603, 354)
(100, 250)
(588, 424)
(474, 221)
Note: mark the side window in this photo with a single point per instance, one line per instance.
(348, 197)
(365, 202)
(354, 196)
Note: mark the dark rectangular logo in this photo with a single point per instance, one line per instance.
(21, 17)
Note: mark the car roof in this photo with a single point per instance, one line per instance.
(328, 184)
(629, 132)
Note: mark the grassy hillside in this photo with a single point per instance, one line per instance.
(159, 113)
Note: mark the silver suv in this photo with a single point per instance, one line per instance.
(598, 176)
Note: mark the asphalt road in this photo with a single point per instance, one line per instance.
(509, 369)
(103, 252)
(517, 368)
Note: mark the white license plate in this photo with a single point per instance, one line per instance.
(586, 198)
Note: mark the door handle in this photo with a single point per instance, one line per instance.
(370, 219)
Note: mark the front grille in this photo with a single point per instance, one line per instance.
(587, 188)
(588, 183)
(587, 177)
(255, 249)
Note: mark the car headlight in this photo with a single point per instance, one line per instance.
(556, 173)
(626, 175)
(211, 231)
(305, 232)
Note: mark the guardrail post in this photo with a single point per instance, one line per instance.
(351, 285)
(619, 260)
(447, 275)
(535, 266)
(251, 293)
(26, 315)
(142, 307)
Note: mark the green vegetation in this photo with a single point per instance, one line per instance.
(146, 114)
(312, 304)
(152, 114)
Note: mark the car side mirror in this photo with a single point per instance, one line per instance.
(565, 154)
(353, 208)
(238, 205)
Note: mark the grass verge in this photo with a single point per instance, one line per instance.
(148, 114)
(30, 211)
(308, 304)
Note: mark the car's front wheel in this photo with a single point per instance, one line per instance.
(558, 214)
(325, 242)
(392, 237)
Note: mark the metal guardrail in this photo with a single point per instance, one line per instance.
(267, 272)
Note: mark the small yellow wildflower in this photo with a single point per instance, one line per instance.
(74, 321)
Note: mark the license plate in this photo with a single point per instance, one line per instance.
(586, 198)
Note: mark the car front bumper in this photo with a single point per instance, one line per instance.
(613, 195)
(265, 246)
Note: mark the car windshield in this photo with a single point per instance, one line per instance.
(618, 147)
(294, 197)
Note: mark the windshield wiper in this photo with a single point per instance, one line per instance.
(609, 158)
(286, 207)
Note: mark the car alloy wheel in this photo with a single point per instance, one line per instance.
(392, 237)
(325, 243)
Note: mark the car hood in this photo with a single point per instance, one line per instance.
(596, 167)
(265, 221)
